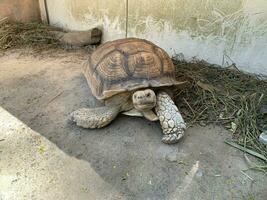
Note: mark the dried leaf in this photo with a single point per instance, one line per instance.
(41, 149)
(206, 86)
(233, 127)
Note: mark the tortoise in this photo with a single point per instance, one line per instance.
(132, 76)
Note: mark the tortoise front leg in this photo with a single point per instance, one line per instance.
(95, 117)
(171, 120)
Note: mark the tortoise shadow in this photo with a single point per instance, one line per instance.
(127, 154)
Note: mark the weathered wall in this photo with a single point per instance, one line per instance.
(83, 14)
(219, 31)
(20, 10)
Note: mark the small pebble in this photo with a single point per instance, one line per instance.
(129, 140)
(199, 174)
(172, 157)
(263, 137)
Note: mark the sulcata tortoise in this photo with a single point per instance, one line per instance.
(132, 76)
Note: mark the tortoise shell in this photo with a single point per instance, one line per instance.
(127, 65)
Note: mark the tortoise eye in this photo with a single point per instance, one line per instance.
(148, 94)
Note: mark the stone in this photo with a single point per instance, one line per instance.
(163, 150)
(199, 174)
(129, 140)
(263, 138)
(172, 157)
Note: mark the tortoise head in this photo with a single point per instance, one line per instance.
(144, 99)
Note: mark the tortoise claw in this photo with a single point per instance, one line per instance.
(172, 138)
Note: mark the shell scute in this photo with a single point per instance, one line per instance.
(127, 65)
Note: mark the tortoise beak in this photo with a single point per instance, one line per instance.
(144, 100)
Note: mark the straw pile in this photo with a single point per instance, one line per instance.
(227, 97)
(35, 35)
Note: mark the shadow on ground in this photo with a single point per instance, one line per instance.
(128, 154)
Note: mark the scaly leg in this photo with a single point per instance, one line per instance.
(95, 117)
(171, 120)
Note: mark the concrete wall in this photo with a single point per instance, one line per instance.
(20, 10)
(84, 14)
(219, 31)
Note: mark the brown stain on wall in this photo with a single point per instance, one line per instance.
(20, 10)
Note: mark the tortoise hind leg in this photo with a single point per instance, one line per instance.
(95, 117)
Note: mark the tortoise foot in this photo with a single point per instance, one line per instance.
(170, 118)
(172, 138)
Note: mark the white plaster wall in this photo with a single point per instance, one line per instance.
(219, 32)
(85, 14)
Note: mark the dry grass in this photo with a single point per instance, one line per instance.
(35, 35)
(227, 97)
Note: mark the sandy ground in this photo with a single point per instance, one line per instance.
(43, 156)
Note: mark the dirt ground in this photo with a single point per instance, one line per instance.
(44, 156)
